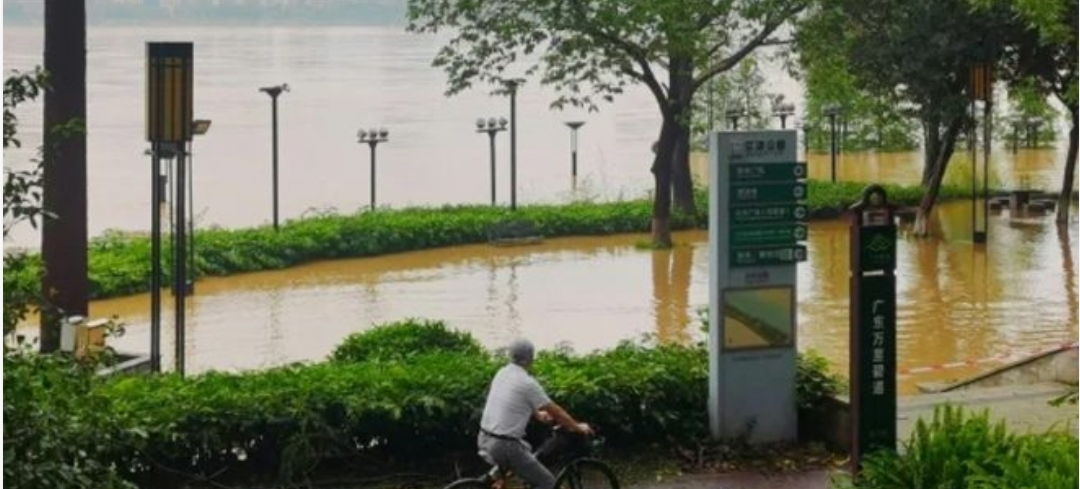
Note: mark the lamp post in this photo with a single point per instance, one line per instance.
(273, 92)
(832, 110)
(1032, 131)
(512, 86)
(199, 127)
(783, 110)
(574, 126)
(734, 115)
(1016, 123)
(491, 127)
(372, 137)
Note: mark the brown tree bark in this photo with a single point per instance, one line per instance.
(1065, 198)
(681, 81)
(932, 146)
(64, 237)
(661, 170)
(941, 163)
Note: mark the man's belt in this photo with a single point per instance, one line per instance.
(501, 437)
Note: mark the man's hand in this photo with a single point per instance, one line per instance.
(584, 429)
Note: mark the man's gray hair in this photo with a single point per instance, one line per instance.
(521, 352)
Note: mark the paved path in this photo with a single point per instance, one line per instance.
(816, 479)
(1024, 408)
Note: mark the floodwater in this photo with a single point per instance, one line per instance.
(343, 79)
(1017, 295)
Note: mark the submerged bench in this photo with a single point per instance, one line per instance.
(514, 233)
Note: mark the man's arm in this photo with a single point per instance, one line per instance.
(564, 419)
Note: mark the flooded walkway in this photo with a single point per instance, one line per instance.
(981, 306)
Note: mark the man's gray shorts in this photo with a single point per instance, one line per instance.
(516, 456)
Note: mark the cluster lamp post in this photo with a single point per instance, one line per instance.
(783, 111)
(372, 138)
(491, 126)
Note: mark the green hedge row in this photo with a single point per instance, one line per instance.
(395, 405)
(120, 264)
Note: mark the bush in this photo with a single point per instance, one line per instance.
(403, 340)
(960, 451)
(119, 263)
(58, 432)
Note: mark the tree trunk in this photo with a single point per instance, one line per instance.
(661, 170)
(1065, 198)
(680, 99)
(932, 146)
(64, 238)
(940, 164)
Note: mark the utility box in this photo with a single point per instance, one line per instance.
(83, 338)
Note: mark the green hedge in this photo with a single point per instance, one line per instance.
(120, 264)
(394, 408)
(403, 340)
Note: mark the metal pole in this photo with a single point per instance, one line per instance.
(491, 137)
(987, 125)
(783, 121)
(191, 220)
(513, 146)
(974, 165)
(372, 144)
(832, 143)
(573, 153)
(155, 259)
(180, 261)
(273, 103)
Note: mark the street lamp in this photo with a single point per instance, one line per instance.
(491, 127)
(199, 127)
(574, 126)
(512, 86)
(832, 110)
(273, 92)
(783, 110)
(734, 115)
(372, 137)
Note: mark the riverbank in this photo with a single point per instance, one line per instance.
(119, 263)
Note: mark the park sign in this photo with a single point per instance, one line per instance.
(873, 325)
(757, 232)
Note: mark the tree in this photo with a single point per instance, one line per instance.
(590, 50)
(739, 88)
(64, 283)
(918, 54)
(1047, 53)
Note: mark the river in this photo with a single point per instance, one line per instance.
(346, 78)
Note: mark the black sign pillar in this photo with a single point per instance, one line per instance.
(873, 325)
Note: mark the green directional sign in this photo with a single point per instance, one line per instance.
(759, 257)
(769, 213)
(777, 234)
(767, 192)
(757, 172)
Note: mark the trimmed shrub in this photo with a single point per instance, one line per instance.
(119, 264)
(403, 340)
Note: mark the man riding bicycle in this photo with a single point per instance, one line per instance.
(513, 398)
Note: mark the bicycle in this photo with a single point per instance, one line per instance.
(580, 471)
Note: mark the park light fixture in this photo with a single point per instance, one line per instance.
(372, 137)
(491, 126)
(274, 92)
(783, 110)
(832, 110)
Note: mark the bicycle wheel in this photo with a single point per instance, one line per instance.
(586, 473)
(469, 484)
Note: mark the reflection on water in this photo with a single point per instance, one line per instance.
(955, 302)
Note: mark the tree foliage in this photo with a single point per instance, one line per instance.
(589, 51)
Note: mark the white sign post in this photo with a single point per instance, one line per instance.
(756, 214)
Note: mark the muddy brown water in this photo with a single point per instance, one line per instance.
(956, 302)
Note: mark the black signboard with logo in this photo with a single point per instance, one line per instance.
(873, 325)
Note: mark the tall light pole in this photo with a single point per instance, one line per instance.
(783, 110)
(491, 127)
(199, 127)
(273, 92)
(512, 86)
(372, 137)
(574, 126)
(832, 110)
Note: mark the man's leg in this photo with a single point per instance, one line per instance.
(516, 457)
